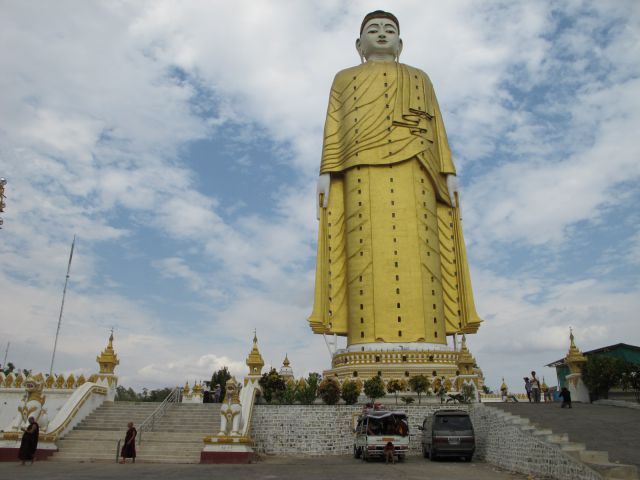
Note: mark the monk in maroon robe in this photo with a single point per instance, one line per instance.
(29, 442)
(129, 448)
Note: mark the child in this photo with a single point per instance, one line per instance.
(389, 450)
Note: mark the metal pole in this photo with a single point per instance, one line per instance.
(6, 352)
(64, 293)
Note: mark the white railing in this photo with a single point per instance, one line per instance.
(150, 422)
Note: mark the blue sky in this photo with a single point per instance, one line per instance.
(181, 143)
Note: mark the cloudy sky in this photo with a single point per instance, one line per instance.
(181, 141)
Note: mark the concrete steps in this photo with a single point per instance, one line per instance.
(598, 460)
(176, 437)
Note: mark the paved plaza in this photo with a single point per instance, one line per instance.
(268, 468)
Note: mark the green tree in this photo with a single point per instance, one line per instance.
(329, 391)
(126, 395)
(486, 389)
(468, 393)
(419, 384)
(288, 396)
(351, 391)
(374, 388)
(308, 390)
(600, 373)
(273, 386)
(220, 378)
(630, 379)
(396, 386)
(9, 368)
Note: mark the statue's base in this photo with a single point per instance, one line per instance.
(9, 449)
(395, 364)
(227, 450)
(227, 453)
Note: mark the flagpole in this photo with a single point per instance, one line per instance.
(64, 293)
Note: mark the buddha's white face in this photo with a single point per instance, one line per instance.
(379, 40)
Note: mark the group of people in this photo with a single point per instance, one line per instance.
(532, 387)
(534, 391)
(213, 396)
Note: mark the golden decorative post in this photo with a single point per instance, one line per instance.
(108, 360)
(254, 362)
(574, 361)
(392, 274)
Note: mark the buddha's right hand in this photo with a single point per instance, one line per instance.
(322, 189)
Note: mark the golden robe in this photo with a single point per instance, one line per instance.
(391, 263)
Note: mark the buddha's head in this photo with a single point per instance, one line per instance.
(379, 37)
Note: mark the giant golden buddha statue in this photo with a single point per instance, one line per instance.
(391, 269)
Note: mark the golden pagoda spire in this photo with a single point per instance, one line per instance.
(254, 360)
(286, 362)
(108, 360)
(503, 387)
(574, 359)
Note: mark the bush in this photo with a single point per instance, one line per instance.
(601, 373)
(329, 391)
(419, 384)
(308, 390)
(395, 386)
(374, 388)
(273, 386)
(408, 400)
(351, 391)
(630, 379)
(288, 396)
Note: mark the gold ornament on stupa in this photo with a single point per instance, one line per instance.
(254, 360)
(108, 360)
(503, 388)
(466, 362)
(574, 359)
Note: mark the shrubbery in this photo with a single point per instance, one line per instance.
(329, 391)
(351, 391)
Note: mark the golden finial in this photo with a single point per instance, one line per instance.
(286, 362)
(254, 360)
(108, 360)
(574, 358)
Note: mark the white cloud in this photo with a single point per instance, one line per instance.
(100, 108)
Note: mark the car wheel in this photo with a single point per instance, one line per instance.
(356, 452)
(425, 453)
(400, 458)
(468, 458)
(365, 456)
(432, 454)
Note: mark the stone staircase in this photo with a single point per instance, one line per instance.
(589, 434)
(177, 436)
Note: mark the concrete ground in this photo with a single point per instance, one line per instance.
(600, 427)
(267, 468)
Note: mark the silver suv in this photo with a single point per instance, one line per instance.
(448, 433)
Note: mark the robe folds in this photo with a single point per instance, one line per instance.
(391, 264)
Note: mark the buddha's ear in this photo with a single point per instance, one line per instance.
(359, 49)
(399, 49)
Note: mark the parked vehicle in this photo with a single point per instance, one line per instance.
(448, 433)
(377, 427)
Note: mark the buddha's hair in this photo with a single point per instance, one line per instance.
(379, 14)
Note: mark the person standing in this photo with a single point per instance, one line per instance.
(129, 448)
(29, 442)
(535, 388)
(527, 387)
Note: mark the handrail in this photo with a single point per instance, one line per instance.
(118, 450)
(149, 423)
